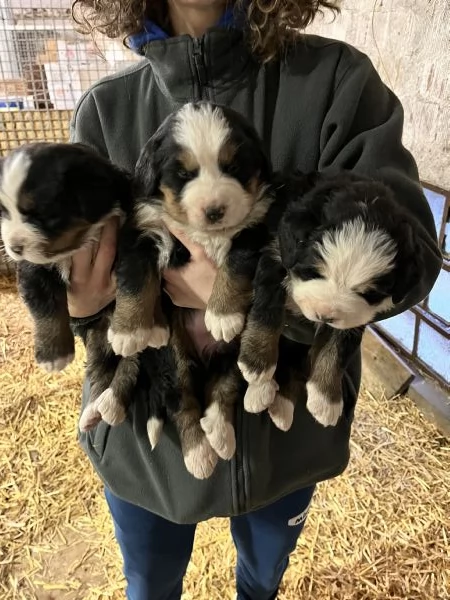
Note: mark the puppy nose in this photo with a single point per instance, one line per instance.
(17, 249)
(214, 214)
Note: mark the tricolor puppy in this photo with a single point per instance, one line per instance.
(204, 173)
(54, 199)
(343, 254)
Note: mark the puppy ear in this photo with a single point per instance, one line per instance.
(148, 166)
(294, 231)
(409, 261)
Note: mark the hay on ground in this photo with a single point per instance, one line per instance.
(381, 531)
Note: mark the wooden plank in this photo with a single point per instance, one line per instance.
(383, 369)
(433, 402)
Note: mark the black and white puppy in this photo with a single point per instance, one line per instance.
(204, 173)
(54, 199)
(343, 254)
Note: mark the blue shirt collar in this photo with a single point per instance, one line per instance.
(152, 32)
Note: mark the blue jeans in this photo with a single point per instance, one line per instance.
(156, 552)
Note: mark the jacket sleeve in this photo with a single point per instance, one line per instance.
(362, 132)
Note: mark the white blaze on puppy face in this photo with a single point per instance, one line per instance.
(351, 259)
(212, 200)
(20, 238)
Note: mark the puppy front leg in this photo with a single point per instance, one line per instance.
(199, 457)
(330, 353)
(259, 341)
(44, 293)
(222, 393)
(232, 292)
(134, 326)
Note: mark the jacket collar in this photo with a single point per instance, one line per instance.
(231, 19)
(187, 68)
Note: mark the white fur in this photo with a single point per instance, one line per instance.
(203, 132)
(260, 396)
(128, 344)
(351, 258)
(15, 232)
(159, 336)
(219, 431)
(58, 364)
(224, 327)
(110, 408)
(150, 219)
(90, 417)
(154, 430)
(281, 411)
(201, 460)
(322, 409)
(255, 377)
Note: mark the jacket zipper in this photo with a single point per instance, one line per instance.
(200, 68)
(200, 73)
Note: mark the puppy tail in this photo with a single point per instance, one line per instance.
(154, 430)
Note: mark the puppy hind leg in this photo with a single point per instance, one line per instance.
(199, 457)
(222, 393)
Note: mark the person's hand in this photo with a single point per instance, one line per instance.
(92, 283)
(191, 286)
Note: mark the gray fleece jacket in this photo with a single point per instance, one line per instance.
(322, 107)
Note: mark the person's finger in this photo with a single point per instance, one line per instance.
(195, 249)
(106, 252)
(81, 265)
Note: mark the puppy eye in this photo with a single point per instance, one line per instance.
(230, 169)
(372, 296)
(3, 211)
(186, 175)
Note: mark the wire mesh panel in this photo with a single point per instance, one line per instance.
(45, 67)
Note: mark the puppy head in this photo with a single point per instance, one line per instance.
(347, 268)
(206, 165)
(54, 198)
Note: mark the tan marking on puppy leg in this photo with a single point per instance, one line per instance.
(258, 355)
(282, 410)
(228, 305)
(324, 387)
(199, 457)
(222, 393)
(133, 319)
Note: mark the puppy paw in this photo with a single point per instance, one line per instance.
(201, 460)
(56, 364)
(258, 397)
(282, 412)
(154, 430)
(111, 410)
(219, 432)
(321, 407)
(128, 343)
(224, 327)
(159, 336)
(90, 418)
(256, 377)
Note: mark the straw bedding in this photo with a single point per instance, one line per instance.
(381, 531)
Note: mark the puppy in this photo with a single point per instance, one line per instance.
(204, 173)
(343, 253)
(54, 199)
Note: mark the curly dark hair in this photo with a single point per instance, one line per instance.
(272, 25)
